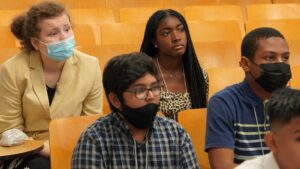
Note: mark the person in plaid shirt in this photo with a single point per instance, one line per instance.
(132, 136)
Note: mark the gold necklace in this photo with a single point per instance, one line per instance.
(172, 75)
(165, 83)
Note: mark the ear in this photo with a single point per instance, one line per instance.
(34, 43)
(114, 100)
(154, 42)
(245, 64)
(270, 141)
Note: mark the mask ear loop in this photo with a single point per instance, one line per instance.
(261, 71)
(41, 51)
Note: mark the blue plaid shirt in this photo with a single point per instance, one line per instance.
(109, 144)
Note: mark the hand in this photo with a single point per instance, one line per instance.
(45, 151)
(30, 138)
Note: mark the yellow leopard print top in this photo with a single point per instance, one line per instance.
(172, 103)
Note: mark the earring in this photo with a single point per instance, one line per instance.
(155, 46)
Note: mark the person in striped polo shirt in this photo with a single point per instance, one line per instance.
(284, 138)
(236, 116)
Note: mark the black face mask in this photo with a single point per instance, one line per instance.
(141, 117)
(274, 76)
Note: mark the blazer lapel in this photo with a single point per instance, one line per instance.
(38, 80)
(65, 81)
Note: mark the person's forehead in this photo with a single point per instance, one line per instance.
(270, 42)
(146, 80)
(169, 20)
(294, 123)
(292, 126)
(55, 21)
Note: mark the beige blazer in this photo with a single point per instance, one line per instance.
(24, 99)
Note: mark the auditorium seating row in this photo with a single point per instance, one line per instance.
(210, 54)
(97, 26)
(132, 33)
(218, 59)
(21, 4)
(97, 15)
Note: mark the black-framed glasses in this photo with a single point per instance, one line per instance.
(143, 92)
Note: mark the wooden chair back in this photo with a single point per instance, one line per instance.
(63, 136)
(194, 122)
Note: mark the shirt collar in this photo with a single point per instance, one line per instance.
(270, 161)
(119, 124)
(250, 95)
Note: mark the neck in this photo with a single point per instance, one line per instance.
(258, 90)
(139, 135)
(50, 65)
(171, 64)
(281, 164)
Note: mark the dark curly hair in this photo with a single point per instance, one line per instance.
(121, 71)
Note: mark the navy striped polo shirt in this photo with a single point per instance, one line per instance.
(236, 119)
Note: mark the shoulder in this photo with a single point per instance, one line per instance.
(205, 75)
(16, 64)
(169, 126)
(226, 103)
(99, 131)
(229, 90)
(21, 57)
(87, 64)
(256, 163)
(165, 122)
(230, 93)
(101, 125)
(85, 58)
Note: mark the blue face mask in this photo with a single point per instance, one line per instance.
(61, 50)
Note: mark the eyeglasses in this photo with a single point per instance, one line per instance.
(143, 92)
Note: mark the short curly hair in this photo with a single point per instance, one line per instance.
(249, 44)
(283, 105)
